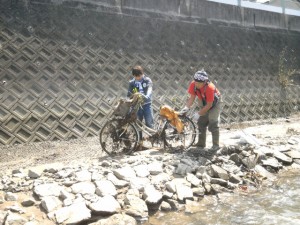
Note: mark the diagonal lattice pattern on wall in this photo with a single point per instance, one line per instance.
(62, 70)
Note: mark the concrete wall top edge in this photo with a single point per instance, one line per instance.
(186, 10)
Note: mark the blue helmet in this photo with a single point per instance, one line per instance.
(200, 76)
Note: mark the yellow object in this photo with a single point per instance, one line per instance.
(171, 115)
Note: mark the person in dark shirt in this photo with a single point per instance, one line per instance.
(142, 84)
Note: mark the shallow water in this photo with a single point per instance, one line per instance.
(278, 203)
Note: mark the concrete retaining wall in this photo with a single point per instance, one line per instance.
(192, 10)
(64, 65)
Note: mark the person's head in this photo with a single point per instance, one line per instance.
(138, 72)
(200, 78)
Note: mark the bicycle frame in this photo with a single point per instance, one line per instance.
(147, 130)
(123, 133)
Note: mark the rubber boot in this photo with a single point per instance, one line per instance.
(215, 140)
(201, 139)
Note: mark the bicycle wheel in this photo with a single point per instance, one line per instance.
(182, 140)
(117, 138)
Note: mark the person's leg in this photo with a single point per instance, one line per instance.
(148, 114)
(202, 127)
(140, 116)
(213, 126)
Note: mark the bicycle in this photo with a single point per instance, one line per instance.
(120, 135)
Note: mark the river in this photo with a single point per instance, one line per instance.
(278, 203)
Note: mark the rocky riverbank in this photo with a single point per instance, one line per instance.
(127, 189)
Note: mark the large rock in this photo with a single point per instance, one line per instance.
(282, 157)
(170, 186)
(264, 150)
(250, 161)
(97, 175)
(155, 168)
(219, 181)
(105, 187)
(183, 169)
(151, 195)
(188, 161)
(235, 158)
(295, 166)
(64, 194)
(264, 173)
(14, 219)
(183, 192)
(15, 209)
(64, 173)
(233, 178)
(135, 206)
(83, 188)
(294, 140)
(83, 175)
(106, 205)
(231, 168)
(142, 170)
(165, 206)
(11, 196)
(272, 162)
(49, 203)
(193, 180)
(198, 191)
(203, 161)
(117, 182)
(293, 154)
(219, 172)
(206, 182)
(139, 183)
(160, 179)
(117, 219)
(72, 214)
(36, 172)
(44, 190)
(28, 202)
(125, 173)
(283, 148)
(200, 171)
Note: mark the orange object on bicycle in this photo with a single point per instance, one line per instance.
(171, 115)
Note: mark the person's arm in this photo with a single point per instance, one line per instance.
(188, 104)
(205, 109)
(190, 101)
(191, 92)
(149, 90)
(129, 92)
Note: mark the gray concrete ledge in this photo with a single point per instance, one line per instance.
(187, 10)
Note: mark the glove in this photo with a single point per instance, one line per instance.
(184, 110)
(196, 116)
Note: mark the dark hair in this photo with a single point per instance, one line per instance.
(137, 71)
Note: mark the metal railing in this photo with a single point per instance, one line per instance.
(288, 7)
